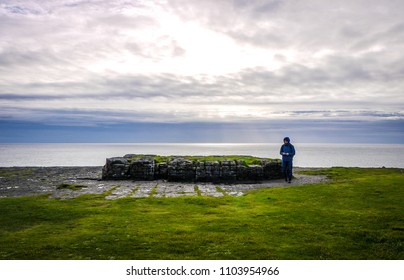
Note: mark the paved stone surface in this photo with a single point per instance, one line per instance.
(70, 182)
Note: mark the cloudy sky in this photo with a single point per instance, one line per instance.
(201, 71)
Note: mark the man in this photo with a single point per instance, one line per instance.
(287, 152)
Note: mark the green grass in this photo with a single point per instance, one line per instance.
(17, 172)
(358, 215)
(247, 160)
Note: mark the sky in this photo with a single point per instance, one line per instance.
(202, 71)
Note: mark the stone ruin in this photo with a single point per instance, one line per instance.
(183, 169)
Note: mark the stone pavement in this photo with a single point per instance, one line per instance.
(70, 182)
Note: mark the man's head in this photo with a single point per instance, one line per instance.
(286, 140)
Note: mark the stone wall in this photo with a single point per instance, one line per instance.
(181, 169)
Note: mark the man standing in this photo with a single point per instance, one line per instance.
(287, 152)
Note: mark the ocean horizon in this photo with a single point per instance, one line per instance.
(95, 154)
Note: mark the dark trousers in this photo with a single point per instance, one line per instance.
(287, 166)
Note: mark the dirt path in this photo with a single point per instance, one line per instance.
(69, 182)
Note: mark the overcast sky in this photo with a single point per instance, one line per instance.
(296, 67)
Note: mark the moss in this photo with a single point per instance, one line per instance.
(153, 192)
(246, 160)
(220, 190)
(197, 190)
(162, 159)
(20, 172)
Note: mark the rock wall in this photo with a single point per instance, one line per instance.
(181, 169)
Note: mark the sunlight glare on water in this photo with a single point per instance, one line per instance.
(307, 155)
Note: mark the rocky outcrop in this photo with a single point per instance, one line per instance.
(184, 169)
(142, 168)
(116, 168)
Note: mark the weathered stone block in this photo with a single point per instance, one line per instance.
(200, 172)
(180, 169)
(272, 169)
(142, 168)
(250, 173)
(161, 170)
(208, 171)
(228, 171)
(255, 172)
(116, 168)
(213, 171)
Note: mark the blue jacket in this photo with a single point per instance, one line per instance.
(287, 148)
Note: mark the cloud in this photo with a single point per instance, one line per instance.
(91, 62)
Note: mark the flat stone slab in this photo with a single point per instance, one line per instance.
(70, 182)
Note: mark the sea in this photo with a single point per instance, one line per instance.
(307, 155)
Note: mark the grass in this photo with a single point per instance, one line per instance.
(247, 160)
(197, 190)
(358, 215)
(17, 172)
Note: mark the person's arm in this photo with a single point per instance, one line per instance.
(292, 151)
(281, 152)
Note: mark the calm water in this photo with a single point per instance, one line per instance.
(307, 155)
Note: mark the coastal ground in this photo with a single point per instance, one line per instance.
(69, 182)
(330, 213)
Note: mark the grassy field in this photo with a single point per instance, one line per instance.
(358, 215)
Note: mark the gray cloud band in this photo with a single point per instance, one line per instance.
(129, 60)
